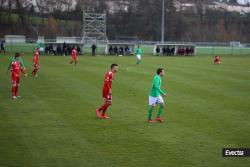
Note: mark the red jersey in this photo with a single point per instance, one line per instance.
(15, 69)
(108, 79)
(36, 58)
(73, 53)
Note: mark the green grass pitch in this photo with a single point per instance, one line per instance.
(54, 123)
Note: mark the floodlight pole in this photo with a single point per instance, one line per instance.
(163, 22)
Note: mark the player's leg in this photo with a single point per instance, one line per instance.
(72, 60)
(138, 59)
(150, 111)
(75, 62)
(34, 71)
(13, 88)
(104, 105)
(108, 102)
(101, 112)
(103, 108)
(152, 102)
(160, 101)
(37, 69)
(17, 87)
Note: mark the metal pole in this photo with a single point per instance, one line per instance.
(163, 22)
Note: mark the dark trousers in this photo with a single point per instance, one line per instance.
(2, 50)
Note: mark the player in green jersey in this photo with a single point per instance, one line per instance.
(155, 96)
(139, 54)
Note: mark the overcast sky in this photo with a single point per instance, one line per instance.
(243, 1)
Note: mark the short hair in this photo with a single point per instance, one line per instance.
(17, 55)
(113, 65)
(159, 70)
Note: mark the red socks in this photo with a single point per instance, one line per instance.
(104, 107)
(16, 94)
(13, 91)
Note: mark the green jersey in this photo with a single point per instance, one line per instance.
(156, 87)
(138, 51)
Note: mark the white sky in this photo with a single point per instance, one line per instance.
(243, 1)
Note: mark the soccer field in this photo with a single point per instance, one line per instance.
(54, 123)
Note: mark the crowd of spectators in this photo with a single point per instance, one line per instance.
(116, 50)
(170, 51)
(61, 49)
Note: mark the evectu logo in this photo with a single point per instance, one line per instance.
(236, 152)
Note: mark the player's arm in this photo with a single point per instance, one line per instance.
(158, 88)
(9, 67)
(109, 82)
(23, 69)
(24, 72)
(22, 64)
(34, 59)
(109, 86)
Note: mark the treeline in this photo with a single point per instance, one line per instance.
(139, 18)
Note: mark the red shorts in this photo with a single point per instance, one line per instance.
(36, 66)
(74, 58)
(107, 95)
(217, 62)
(15, 80)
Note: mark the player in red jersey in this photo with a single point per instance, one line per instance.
(15, 75)
(106, 92)
(36, 63)
(217, 60)
(73, 54)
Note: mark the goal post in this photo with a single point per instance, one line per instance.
(236, 44)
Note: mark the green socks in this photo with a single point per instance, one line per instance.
(150, 111)
(160, 111)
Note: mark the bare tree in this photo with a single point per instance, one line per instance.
(21, 8)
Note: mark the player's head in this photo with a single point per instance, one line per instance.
(38, 50)
(114, 67)
(160, 71)
(17, 55)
